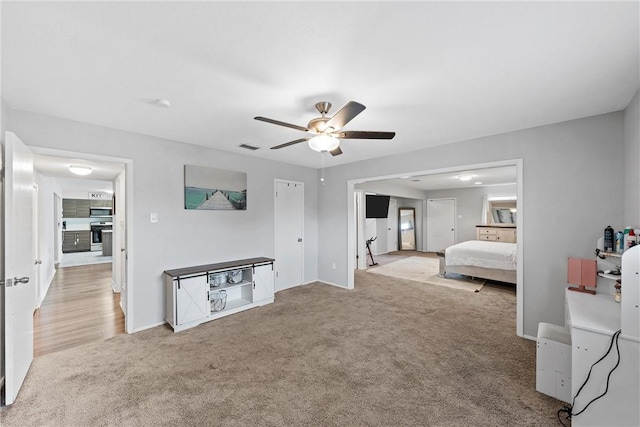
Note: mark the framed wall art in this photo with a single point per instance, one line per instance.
(214, 189)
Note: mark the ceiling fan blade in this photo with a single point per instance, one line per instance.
(363, 134)
(279, 123)
(286, 144)
(345, 115)
(336, 151)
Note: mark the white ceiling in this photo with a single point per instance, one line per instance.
(58, 166)
(434, 72)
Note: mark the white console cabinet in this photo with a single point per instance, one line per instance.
(593, 320)
(192, 293)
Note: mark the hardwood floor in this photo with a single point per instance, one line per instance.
(80, 307)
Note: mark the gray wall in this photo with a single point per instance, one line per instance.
(469, 203)
(573, 188)
(181, 238)
(632, 163)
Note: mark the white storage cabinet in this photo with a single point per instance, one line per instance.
(193, 293)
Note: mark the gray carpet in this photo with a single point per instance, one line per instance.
(389, 353)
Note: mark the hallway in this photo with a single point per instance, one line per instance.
(80, 307)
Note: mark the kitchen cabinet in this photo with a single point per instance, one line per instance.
(80, 208)
(69, 208)
(76, 241)
(203, 293)
(496, 233)
(101, 203)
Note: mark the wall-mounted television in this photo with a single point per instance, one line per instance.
(377, 206)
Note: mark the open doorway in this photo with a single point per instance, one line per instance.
(83, 250)
(466, 224)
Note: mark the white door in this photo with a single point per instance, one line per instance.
(392, 226)
(19, 264)
(289, 226)
(441, 224)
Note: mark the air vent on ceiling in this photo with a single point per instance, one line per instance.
(249, 147)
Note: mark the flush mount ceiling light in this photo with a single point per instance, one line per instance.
(324, 143)
(80, 170)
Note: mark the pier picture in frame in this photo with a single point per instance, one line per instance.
(214, 189)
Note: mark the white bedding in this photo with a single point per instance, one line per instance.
(480, 253)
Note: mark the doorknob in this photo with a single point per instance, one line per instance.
(299, 239)
(38, 261)
(15, 281)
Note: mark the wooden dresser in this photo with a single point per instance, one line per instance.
(496, 232)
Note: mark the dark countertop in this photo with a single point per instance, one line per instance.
(218, 266)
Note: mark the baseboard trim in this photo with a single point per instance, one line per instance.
(332, 284)
(153, 325)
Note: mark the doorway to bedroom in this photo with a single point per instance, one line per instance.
(476, 189)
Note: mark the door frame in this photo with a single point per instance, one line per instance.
(455, 222)
(276, 181)
(392, 228)
(129, 200)
(518, 163)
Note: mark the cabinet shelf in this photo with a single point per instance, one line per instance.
(610, 276)
(231, 305)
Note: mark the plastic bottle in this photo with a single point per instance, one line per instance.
(630, 239)
(608, 239)
(619, 242)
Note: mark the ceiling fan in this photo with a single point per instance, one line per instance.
(327, 131)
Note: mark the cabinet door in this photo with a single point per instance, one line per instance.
(69, 208)
(506, 236)
(191, 299)
(69, 241)
(263, 283)
(84, 241)
(82, 208)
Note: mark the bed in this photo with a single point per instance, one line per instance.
(482, 259)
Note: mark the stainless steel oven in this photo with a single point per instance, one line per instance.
(96, 233)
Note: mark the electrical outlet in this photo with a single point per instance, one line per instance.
(154, 216)
(333, 265)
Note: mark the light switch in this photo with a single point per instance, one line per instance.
(154, 216)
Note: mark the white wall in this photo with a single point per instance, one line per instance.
(469, 203)
(573, 188)
(181, 238)
(632, 163)
(47, 229)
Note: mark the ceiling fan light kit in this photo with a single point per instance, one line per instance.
(327, 130)
(323, 143)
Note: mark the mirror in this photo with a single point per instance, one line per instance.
(407, 229)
